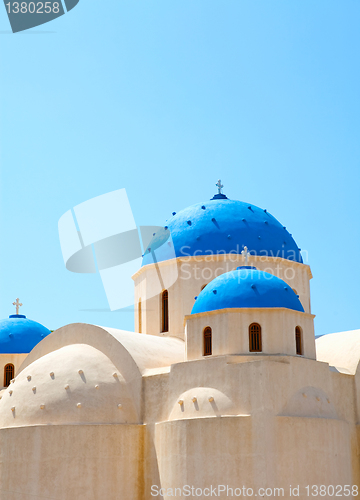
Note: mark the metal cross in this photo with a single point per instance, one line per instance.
(245, 254)
(219, 186)
(17, 304)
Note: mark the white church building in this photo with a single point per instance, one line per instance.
(221, 391)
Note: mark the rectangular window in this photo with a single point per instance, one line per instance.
(9, 372)
(255, 343)
(165, 311)
(207, 341)
(298, 341)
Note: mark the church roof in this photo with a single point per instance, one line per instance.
(341, 350)
(74, 384)
(86, 374)
(222, 226)
(19, 335)
(246, 287)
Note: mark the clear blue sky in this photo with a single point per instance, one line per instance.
(163, 97)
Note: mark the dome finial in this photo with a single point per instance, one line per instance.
(220, 195)
(245, 253)
(219, 186)
(17, 304)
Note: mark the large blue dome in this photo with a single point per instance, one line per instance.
(19, 335)
(221, 226)
(246, 287)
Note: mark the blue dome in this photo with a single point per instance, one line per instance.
(19, 335)
(222, 226)
(246, 287)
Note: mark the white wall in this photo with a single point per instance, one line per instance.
(230, 331)
(14, 359)
(184, 278)
(71, 462)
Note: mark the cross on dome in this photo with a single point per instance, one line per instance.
(220, 195)
(17, 304)
(245, 253)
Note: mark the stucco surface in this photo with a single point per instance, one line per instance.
(257, 453)
(91, 462)
(148, 351)
(14, 359)
(230, 331)
(52, 391)
(142, 352)
(199, 402)
(185, 277)
(270, 420)
(341, 350)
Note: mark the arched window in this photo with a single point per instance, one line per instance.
(255, 344)
(165, 311)
(9, 372)
(140, 316)
(207, 341)
(298, 340)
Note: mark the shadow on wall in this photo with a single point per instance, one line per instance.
(309, 402)
(203, 402)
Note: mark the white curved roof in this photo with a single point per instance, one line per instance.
(76, 384)
(201, 402)
(341, 350)
(143, 352)
(150, 351)
(131, 353)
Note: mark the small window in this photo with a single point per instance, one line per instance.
(9, 372)
(202, 288)
(298, 340)
(255, 343)
(140, 316)
(207, 341)
(165, 311)
(295, 291)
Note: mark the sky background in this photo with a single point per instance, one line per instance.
(164, 97)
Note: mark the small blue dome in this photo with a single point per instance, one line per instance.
(246, 287)
(222, 226)
(19, 335)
